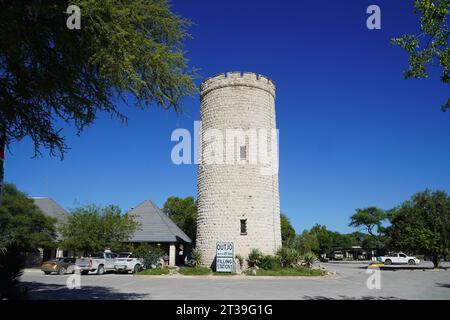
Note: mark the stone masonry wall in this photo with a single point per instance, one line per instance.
(228, 193)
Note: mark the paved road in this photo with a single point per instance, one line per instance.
(349, 283)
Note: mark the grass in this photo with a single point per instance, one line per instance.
(224, 273)
(189, 271)
(287, 272)
(154, 272)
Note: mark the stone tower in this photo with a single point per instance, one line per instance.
(238, 201)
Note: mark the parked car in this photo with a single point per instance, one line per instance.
(98, 262)
(59, 266)
(126, 262)
(338, 255)
(398, 258)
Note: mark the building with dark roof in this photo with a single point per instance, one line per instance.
(50, 208)
(157, 228)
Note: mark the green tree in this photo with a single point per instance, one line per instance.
(343, 241)
(23, 227)
(287, 230)
(124, 51)
(430, 47)
(307, 242)
(22, 224)
(422, 225)
(149, 254)
(183, 211)
(324, 237)
(93, 228)
(369, 220)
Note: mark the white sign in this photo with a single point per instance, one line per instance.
(224, 264)
(225, 250)
(224, 257)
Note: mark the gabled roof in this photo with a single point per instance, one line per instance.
(156, 226)
(51, 208)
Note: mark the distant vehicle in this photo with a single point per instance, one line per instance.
(126, 262)
(399, 258)
(338, 255)
(59, 266)
(98, 262)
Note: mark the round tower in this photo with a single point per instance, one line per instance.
(238, 197)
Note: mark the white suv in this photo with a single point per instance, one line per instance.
(126, 262)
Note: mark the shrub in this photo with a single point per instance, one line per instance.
(254, 258)
(269, 263)
(241, 260)
(288, 257)
(12, 263)
(149, 254)
(196, 258)
(309, 258)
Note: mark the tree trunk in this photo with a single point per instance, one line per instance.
(435, 260)
(2, 160)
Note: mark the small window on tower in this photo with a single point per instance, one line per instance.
(243, 152)
(243, 226)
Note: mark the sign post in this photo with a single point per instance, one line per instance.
(225, 257)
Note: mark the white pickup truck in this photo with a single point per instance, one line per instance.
(98, 262)
(125, 262)
(399, 258)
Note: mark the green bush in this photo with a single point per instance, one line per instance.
(288, 257)
(309, 258)
(196, 258)
(293, 272)
(254, 258)
(12, 263)
(149, 254)
(269, 263)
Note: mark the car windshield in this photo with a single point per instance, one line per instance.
(124, 255)
(97, 255)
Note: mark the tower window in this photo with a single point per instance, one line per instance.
(243, 152)
(243, 226)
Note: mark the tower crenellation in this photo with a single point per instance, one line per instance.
(237, 78)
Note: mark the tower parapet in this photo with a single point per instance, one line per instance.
(237, 78)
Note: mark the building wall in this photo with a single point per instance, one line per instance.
(228, 193)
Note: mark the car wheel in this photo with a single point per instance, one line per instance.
(84, 272)
(47, 272)
(137, 268)
(388, 262)
(100, 270)
(61, 271)
(411, 262)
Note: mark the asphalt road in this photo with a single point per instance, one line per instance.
(350, 282)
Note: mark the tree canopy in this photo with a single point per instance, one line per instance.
(124, 49)
(370, 220)
(183, 211)
(22, 224)
(422, 225)
(287, 230)
(430, 47)
(93, 228)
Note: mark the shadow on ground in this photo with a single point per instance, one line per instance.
(443, 285)
(350, 298)
(44, 291)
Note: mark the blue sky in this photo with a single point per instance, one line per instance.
(353, 132)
